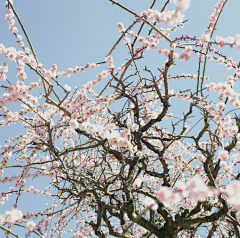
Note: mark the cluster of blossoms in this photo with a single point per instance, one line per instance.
(19, 92)
(226, 90)
(220, 41)
(22, 58)
(15, 216)
(115, 139)
(213, 18)
(233, 194)
(229, 40)
(109, 61)
(23, 55)
(195, 188)
(11, 217)
(52, 72)
(150, 42)
(168, 17)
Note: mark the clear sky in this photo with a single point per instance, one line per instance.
(72, 33)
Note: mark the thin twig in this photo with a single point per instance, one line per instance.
(148, 23)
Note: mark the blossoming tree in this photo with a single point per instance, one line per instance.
(118, 163)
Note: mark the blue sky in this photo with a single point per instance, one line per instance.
(72, 33)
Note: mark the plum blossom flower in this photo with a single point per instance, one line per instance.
(149, 202)
(197, 188)
(188, 49)
(153, 45)
(209, 57)
(65, 133)
(234, 129)
(3, 77)
(237, 71)
(10, 217)
(230, 40)
(228, 66)
(220, 106)
(200, 157)
(164, 195)
(182, 188)
(223, 164)
(223, 155)
(48, 195)
(30, 226)
(74, 124)
(181, 5)
(220, 60)
(205, 38)
(218, 39)
(134, 127)
(236, 103)
(8, 155)
(184, 56)
(82, 69)
(120, 26)
(109, 61)
(132, 34)
(83, 126)
(233, 194)
(125, 133)
(68, 88)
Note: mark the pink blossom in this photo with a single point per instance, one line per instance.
(132, 34)
(222, 43)
(200, 157)
(177, 17)
(120, 26)
(220, 106)
(184, 56)
(220, 60)
(164, 194)
(209, 57)
(197, 188)
(109, 61)
(233, 194)
(10, 217)
(17, 214)
(160, 50)
(30, 226)
(205, 38)
(153, 45)
(223, 164)
(228, 66)
(48, 195)
(182, 188)
(149, 202)
(181, 5)
(188, 49)
(3, 77)
(223, 155)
